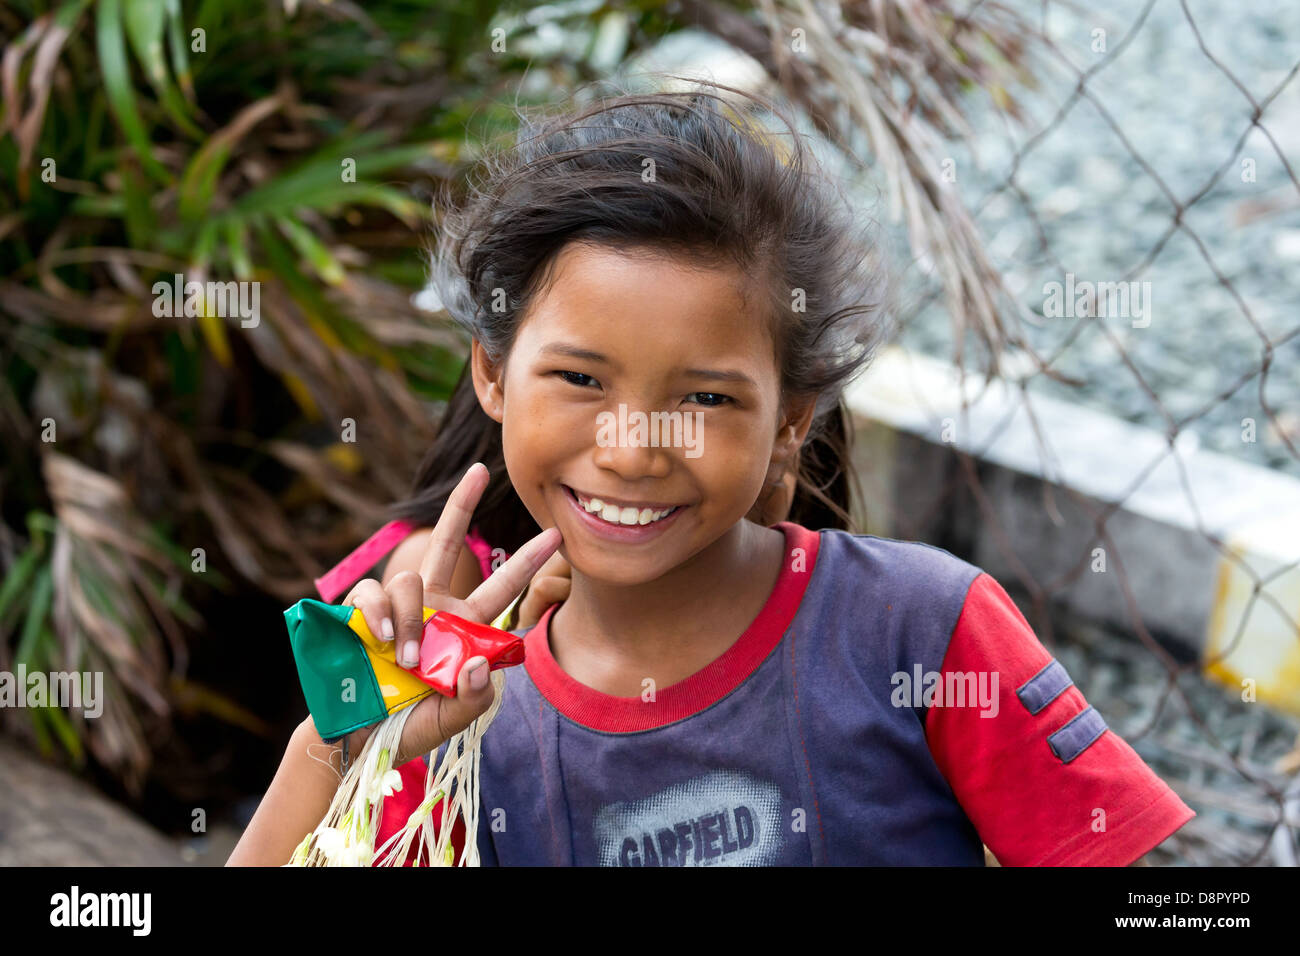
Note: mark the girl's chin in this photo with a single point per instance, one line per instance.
(601, 563)
(605, 577)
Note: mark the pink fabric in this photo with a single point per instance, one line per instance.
(483, 551)
(348, 572)
(336, 581)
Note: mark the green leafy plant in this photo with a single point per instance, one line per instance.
(154, 452)
(291, 146)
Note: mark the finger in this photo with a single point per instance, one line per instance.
(448, 535)
(548, 591)
(406, 594)
(528, 617)
(492, 596)
(554, 567)
(437, 719)
(542, 593)
(530, 609)
(534, 603)
(369, 596)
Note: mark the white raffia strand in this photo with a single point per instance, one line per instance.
(346, 834)
(455, 782)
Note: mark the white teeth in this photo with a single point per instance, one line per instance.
(622, 515)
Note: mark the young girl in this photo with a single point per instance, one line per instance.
(712, 690)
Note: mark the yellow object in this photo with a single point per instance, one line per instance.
(398, 686)
(1253, 643)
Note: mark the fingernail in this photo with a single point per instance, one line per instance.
(410, 654)
(478, 677)
(386, 628)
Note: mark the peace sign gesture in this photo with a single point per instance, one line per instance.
(398, 610)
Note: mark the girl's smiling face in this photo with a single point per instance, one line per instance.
(648, 332)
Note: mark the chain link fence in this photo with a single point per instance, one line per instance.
(1159, 216)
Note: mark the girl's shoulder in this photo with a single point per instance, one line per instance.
(890, 567)
(883, 600)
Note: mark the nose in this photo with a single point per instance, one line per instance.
(631, 463)
(631, 456)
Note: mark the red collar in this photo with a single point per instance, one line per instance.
(702, 689)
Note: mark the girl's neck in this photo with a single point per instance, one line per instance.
(613, 637)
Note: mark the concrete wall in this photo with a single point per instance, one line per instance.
(1209, 546)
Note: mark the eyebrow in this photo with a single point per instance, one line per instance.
(720, 375)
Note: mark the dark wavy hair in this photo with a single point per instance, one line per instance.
(724, 190)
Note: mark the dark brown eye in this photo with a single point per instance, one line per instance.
(712, 399)
(576, 375)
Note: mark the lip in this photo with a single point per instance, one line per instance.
(638, 505)
(626, 533)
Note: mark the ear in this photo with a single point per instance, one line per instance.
(796, 419)
(489, 382)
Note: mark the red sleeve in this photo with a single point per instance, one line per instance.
(397, 809)
(1039, 792)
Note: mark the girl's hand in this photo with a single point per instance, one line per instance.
(549, 586)
(435, 719)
